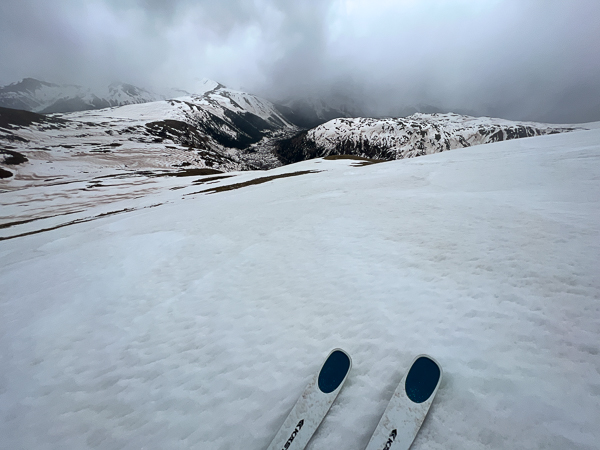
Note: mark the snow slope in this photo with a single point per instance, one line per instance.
(196, 323)
(407, 137)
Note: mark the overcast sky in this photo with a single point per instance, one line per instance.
(518, 59)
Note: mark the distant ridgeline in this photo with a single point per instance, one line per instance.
(397, 138)
(217, 128)
(33, 95)
(221, 129)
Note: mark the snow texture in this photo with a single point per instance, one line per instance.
(183, 319)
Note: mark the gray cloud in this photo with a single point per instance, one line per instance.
(519, 59)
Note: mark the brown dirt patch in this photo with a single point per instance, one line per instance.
(231, 187)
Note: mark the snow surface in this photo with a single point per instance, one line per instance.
(197, 322)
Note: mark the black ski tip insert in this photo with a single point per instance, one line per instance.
(334, 371)
(422, 379)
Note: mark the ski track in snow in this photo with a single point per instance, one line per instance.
(197, 323)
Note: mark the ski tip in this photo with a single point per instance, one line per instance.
(423, 379)
(334, 370)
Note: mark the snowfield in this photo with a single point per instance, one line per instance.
(173, 318)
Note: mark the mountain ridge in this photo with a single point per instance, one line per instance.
(221, 129)
(43, 97)
(397, 138)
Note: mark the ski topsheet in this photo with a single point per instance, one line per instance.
(314, 403)
(408, 407)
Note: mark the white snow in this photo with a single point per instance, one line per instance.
(196, 323)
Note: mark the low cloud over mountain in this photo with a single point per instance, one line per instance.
(533, 60)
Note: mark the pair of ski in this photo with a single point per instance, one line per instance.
(399, 424)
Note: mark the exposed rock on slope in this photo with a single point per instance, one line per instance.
(397, 138)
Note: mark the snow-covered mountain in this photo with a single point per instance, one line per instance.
(397, 138)
(221, 129)
(225, 130)
(191, 312)
(39, 96)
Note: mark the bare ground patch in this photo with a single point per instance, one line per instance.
(211, 179)
(362, 161)
(74, 222)
(231, 187)
(21, 222)
(12, 158)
